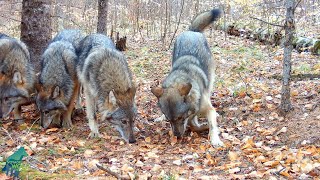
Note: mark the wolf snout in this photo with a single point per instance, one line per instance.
(132, 140)
(178, 134)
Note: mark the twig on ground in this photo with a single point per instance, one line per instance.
(31, 126)
(33, 164)
(7, 132)
(108, 170)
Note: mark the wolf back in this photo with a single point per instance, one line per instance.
(103, 71)
(74, 36)
(16, 76)
(58, 83)
(185, 92)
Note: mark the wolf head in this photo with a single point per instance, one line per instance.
(176, 104)
(50, 104)
(123, 116)
(13, 91)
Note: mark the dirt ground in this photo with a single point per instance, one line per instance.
(259, 143)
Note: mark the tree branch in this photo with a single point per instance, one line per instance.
(108, 170)
(267, 22)
(174, 34)
(295, 7)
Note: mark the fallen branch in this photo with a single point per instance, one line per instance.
(267, 22)
(108, 170)
(6, 131)
(298, 77)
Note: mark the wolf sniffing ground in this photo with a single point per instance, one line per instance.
(58, 86)
(185, 92)
(107, 82)
(16, 76)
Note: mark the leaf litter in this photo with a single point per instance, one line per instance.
(259, 143)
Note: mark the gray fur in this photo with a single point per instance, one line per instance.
(185, 92)
(58, 82)
(74, 36)
(103, 70)
(16, 76)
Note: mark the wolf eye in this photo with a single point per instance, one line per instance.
(124, 122)
(45, 112)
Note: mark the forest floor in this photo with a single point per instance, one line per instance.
(259, 143)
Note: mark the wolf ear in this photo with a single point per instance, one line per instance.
(112, 99)
(185, 89)
(56, 92)
(17, 79)
(157, 91)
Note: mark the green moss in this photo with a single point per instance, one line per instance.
(28, 173)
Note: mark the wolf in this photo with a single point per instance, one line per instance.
(108, 86)
(17, 76)
(185, 92)
(58, 86)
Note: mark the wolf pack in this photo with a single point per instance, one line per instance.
(75, 64)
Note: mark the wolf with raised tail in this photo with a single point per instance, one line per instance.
(185, 92)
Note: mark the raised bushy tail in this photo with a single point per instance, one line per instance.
(201, 21)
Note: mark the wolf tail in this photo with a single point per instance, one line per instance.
(201, 21)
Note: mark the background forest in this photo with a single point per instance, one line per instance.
(261, 142)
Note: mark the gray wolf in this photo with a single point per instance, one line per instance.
(185, 92)
(107, 82)
(17, 76)
(58, 86)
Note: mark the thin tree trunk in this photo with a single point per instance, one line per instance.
(165, 24)
(174, 34)
(285, 105)
(36, 28)
(102, 16)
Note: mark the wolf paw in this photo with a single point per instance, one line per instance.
(67, 124)
(94, 135)
(215, 141)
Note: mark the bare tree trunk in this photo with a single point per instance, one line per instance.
(36, 28)
(285, 105)
(174, 34)
(165, 25)
(102, 16)
(196, 7)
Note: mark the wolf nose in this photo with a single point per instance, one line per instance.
(132, 140)
(178, 134)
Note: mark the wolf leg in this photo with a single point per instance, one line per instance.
(213, 127)
(211, 114)
(66, 122)
(90, 109)
(17, 112)
(79, 99)
(161, 118)
(195, 126)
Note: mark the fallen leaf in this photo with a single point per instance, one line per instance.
(52, 130)
(148, 139)
(127, 168)
(88, 153)
(233, 156)
(156, 167)
(177, 162)
(234, 170)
